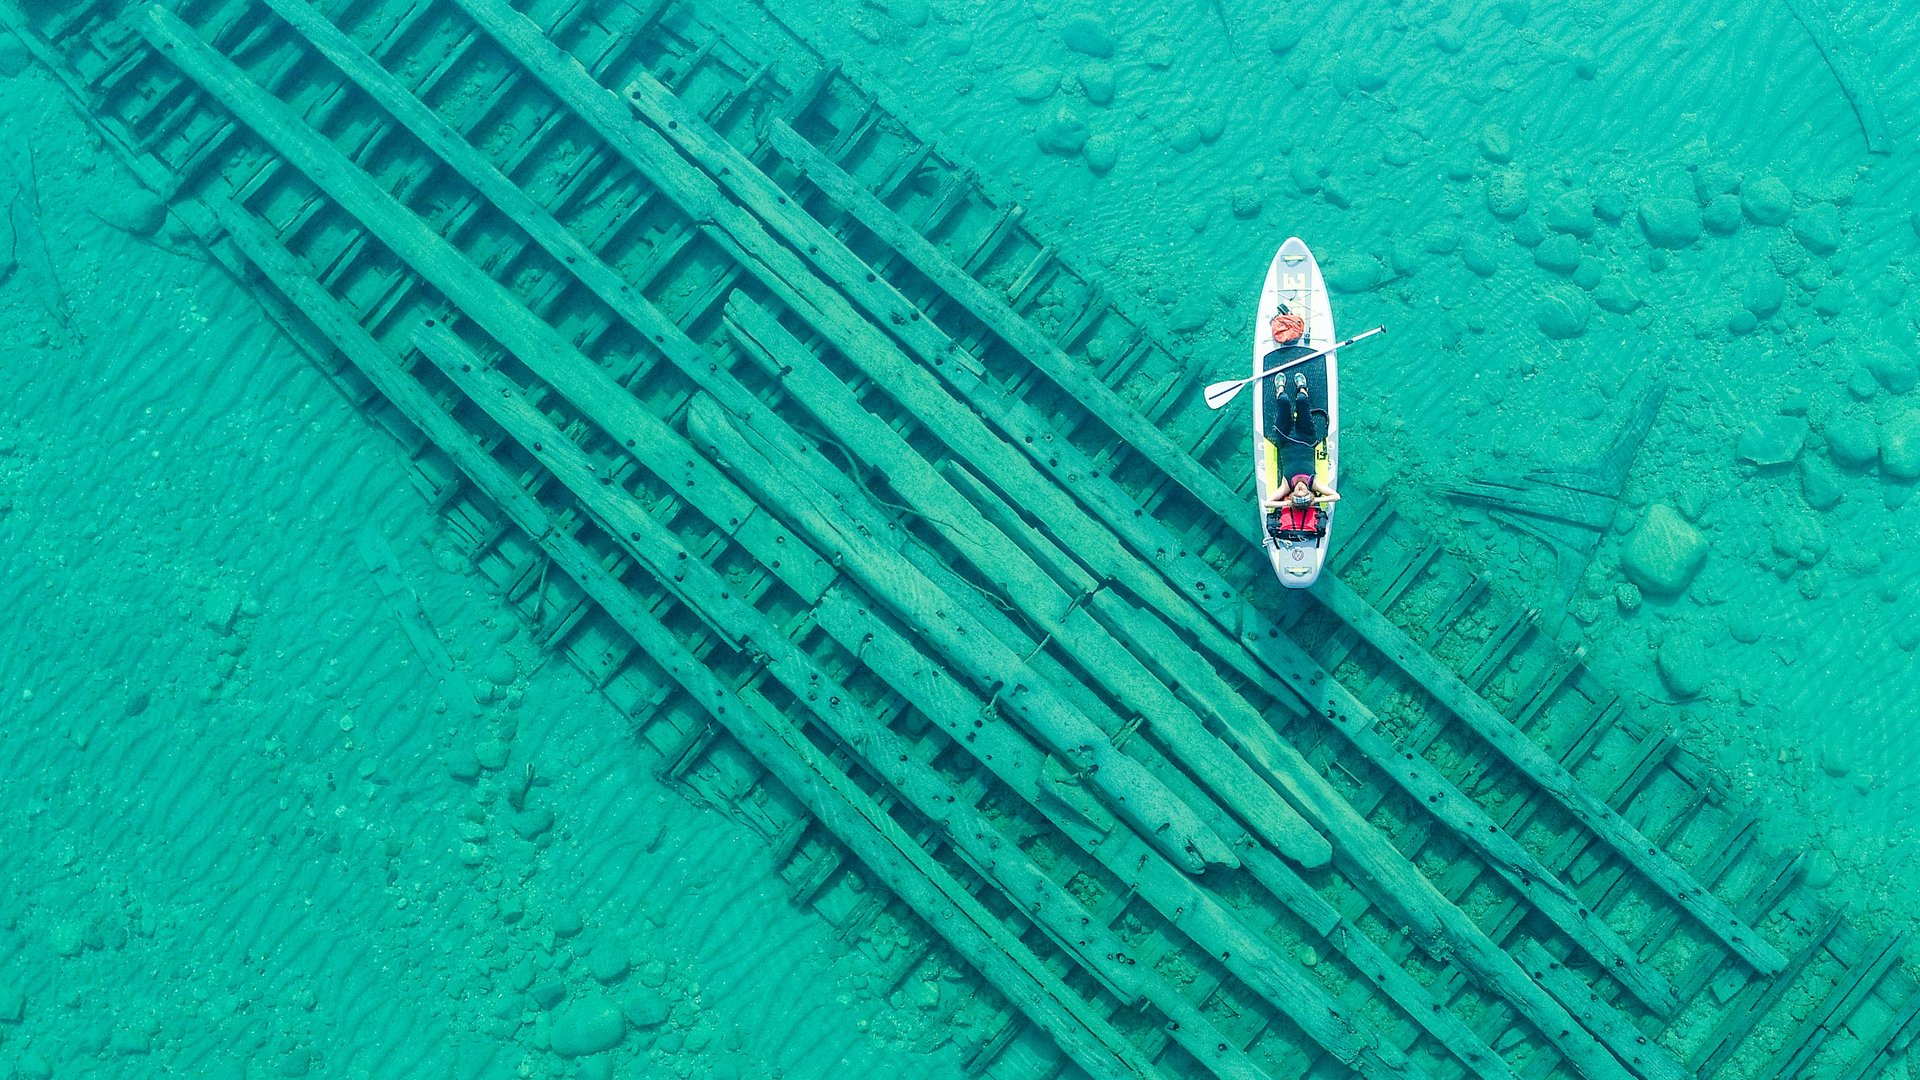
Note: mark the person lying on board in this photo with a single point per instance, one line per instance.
(1299, 506)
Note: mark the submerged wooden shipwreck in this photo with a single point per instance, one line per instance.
(903, 540)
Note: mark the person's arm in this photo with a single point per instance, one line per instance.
(1328, 497)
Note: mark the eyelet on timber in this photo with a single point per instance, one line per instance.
(539, 446)
(429, 322)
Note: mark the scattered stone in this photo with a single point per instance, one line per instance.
(13, 1004)
(1354, 274)
(548, 993)
(1713, 179)
(1763, 295)
(1572, 213)
(1063, 134)
(1097, 82)
(531, 823)
(909, 13)
(1787, 257)
(1495, 144)
(219, 610)
(1370, 75)
(32, 1066)
(1818, 228)
(1683, 664)
(1627, 596)
(1900, 446)
(1822, 869)
(14, 56)
(1891, 367)
(609, 962)
(1768, 201)
(646, 1007)
(1832, 298)
(1722, 216)
(1527, 232)
(590, 1025)
(1670, 223)
(1245, 201)
(1744, 624)
(1516, 12)
(1507, 193)
(1088, 34)
(1034, 84)
(1559, 254)
(1663, 552)
(1852, 442)
(67, 938)
(140, 212)
(462, 764)
(1450, 39)
(1282, 37)
(1615, 295)
(1610, 207)
(1820, 484)
(1775, 440)
(1833, 762)
(1562, 314)
(566, 922)
(492, 754)
(1102, 153)
(1479, 255)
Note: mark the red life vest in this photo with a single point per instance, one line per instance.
(1299, 518)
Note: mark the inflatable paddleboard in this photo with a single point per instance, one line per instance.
(1295, 319)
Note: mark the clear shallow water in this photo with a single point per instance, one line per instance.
(227, 769)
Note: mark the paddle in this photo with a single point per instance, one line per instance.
(1220, 393)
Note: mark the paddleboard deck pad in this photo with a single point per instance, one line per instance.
(1291, 435)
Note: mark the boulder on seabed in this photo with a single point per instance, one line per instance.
(1664, 552)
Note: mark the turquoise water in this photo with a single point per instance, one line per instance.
(241, 837)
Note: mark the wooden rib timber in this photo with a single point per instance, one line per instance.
(713, 453)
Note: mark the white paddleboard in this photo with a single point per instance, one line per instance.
(1281, 446)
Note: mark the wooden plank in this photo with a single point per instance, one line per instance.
(1647, 1059)
(945, 906)
(1839, 1004)
(1073, 378)
(1654, 864)
(1752, 1004)
(1877, 1052)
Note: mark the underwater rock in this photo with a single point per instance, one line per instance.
(1610, 207)
(14, 56)
(139, 212)
(1900, 446)
(1775, 440)
(1034, 84)
(1572, 213)
(1663, 552)
(1477, 253)
(646, 1007)
(609, 962)
(1670, 223)
(1560, 254)
(492, 754)
(1682, 660)
(1087, 34)
(1102, 152)
(590, 1025)
(1820, 484)
(909, 13)
(1527, 231)
(1449, 38)
(1516, 12)
(1370, 75)
(1713, 179)
(1282, 37)
(1495, 144)
(1096, 81)
(1822, 869)
(1245, 201)
(1562, 314)
(1354, 274)
(547, 993)
(1507, 193)
(1063, 134)
(1787, 257)
(531, 823)
(1614, 294)
(13, 1003)
(1763, 295)
(1818, 228)
(1852, 442)
(1768, 201)
(1722, 216)
(462, 764)
(1891, 367)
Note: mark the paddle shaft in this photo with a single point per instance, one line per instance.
(1225, 395)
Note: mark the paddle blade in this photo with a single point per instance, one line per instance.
(1222, 392)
